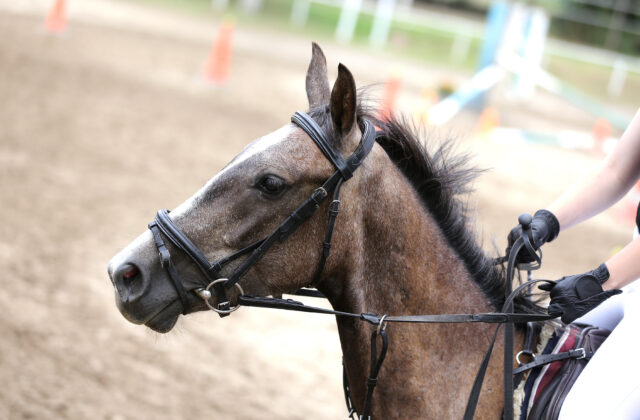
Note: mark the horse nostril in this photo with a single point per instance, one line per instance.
(128, 281)
(131, 272)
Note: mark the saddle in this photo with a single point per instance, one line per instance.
(562, 354)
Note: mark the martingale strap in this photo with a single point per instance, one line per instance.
(374, 366)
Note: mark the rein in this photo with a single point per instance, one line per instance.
(504, 317)
(507, 316)
(163, 225)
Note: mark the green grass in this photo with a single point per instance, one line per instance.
(198, 7)
(593, 80)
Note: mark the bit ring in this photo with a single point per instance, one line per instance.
(221, 311)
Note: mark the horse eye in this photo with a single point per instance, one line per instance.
(272, 185)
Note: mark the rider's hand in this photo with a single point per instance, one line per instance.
(574, 296)
(544, 228)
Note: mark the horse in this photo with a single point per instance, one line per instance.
(402, 244)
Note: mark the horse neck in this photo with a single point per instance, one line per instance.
(396, 258)
(405, 265)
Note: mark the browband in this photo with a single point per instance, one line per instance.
(316, 133)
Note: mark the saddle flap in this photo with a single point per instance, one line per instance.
(556, 380)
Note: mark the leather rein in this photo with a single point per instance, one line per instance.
(163, 226)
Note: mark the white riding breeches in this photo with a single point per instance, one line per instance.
(609, 386)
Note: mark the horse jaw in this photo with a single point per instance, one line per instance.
(166, 319)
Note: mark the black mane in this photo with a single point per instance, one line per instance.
(440, 177)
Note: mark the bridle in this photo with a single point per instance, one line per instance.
(163, 225)
(255, 251)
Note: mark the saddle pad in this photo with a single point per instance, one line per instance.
(547, 386)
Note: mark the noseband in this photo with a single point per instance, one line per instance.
(163, 225)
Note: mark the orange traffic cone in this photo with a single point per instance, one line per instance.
(391, 90)
(56, 20)
(489, 120)
(218, 67)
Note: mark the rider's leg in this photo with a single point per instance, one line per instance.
(609, 386)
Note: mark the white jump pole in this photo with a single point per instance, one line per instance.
(618, 77)
(498, 18)
(348, 20)
(532, 48)
(382, 23)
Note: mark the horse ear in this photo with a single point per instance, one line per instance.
(343, 102)
(317, 82)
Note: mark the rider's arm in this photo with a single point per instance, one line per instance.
(624, 267)
(607, 184)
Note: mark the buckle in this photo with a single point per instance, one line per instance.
(582, 353)
(164, 256)
(527, 353)
(318, 195)
(382, 324)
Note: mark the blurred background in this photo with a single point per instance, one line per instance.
(112, 109)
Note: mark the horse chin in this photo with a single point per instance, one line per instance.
(166, 319)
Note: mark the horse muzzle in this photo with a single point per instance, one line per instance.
(141, 294)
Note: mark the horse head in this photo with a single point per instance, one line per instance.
(402, 245)
(240, 206)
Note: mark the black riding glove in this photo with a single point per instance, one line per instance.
(544, 228)
(574, 296)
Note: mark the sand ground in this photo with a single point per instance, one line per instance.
(108, 122)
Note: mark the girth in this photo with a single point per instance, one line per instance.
(163, 225)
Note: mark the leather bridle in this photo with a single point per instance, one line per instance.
(255, 251)
(163, 225)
